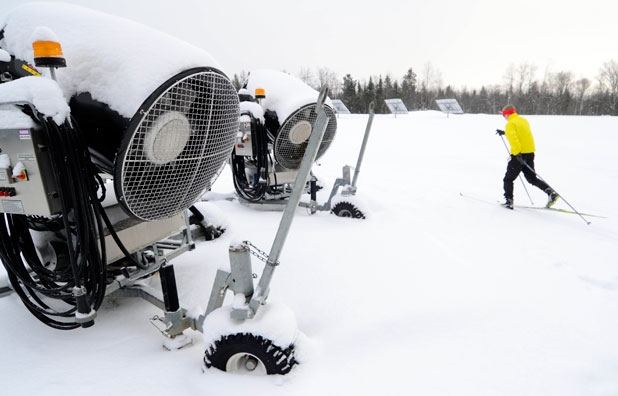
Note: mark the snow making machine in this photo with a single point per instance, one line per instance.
(277, 116)
(103, 153)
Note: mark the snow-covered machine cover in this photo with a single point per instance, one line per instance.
(157, 113)
(289, 110)
(118, 61)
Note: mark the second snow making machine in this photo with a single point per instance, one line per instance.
(277, 116)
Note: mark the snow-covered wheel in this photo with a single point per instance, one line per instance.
(249, 354)
(346, 209)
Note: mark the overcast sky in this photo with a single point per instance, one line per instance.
(471, 43)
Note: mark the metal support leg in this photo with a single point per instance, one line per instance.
(168, 286)
(319, 128)
(364, 145)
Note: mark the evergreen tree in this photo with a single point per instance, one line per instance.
(557, 93)
(408, 89)
(388, 87)
(368, 96)
(349, 95)
(380, 105)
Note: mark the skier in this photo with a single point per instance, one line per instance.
(519, 135)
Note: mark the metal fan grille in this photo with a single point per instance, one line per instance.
(287, 150)
(157, 183)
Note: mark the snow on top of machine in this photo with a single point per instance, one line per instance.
(118, 61)
(255, 109)
(43, 33)
(12, 118)
(4, 56)
(284, 93)
(43, 93)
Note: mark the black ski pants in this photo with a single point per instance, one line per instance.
(515, 167)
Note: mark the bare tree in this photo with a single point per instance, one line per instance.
(239, 80)
(431, 82)
(561, 82)
(509, 81)
(431, 77)
(328, 78)
(608, 81)
(306, 75)
(581, 86)
(518, 81)
(524, 77)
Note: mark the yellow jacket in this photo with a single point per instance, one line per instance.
(519, 135)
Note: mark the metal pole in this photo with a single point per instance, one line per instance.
(520, 178)
(364, 145)
(319, 128)
(561, 197)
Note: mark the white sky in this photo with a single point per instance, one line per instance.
(471, 43)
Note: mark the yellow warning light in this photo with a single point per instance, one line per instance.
(48, 54)
(260, 93)
(47, 49)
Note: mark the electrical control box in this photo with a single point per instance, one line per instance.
(27, 181)
(243, 144)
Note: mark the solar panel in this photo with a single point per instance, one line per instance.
(449, 106)
(340, 107)
(396, 106)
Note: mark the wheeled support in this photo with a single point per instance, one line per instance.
(239, 281)
(346, 182)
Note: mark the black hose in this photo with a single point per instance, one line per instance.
(253, 192)
(50, 293)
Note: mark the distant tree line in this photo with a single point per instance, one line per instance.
(556, 93)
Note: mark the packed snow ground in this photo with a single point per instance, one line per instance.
(432, 294)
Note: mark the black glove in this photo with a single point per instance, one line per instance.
(499, 132)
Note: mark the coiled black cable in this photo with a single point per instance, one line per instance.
(50, 294)
(253, 192)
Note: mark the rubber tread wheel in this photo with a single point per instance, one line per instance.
(256, 352)
(346, 209)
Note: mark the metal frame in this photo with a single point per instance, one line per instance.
(239, 279)
(346, 180)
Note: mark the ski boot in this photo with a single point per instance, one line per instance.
(552, 197)
(508, 203)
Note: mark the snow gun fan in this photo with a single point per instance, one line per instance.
(292, 137)
(171, 150)
(277, 117)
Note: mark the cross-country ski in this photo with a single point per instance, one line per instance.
(552, 209)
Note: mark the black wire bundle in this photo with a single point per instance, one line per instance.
(63, 297)
(252, 192)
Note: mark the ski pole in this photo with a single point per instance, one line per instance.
(560, 195)
(520, 178)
